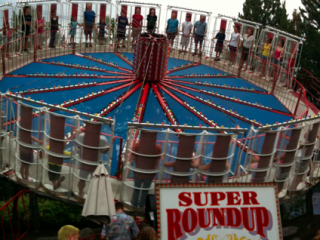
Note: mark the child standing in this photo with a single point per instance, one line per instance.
(39, 24)
(73, 30)
(102, 26)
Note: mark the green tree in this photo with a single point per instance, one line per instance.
(311, 30)
(267, 12)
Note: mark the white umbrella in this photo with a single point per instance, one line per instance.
(99, 204)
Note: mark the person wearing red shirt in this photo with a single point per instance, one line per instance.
(136, 24)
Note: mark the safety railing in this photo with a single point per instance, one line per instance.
(284, 153)
(207, 154)
(15, 216)
(311, 85)
(56, 148)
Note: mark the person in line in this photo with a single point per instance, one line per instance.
(148, 233)
(199, 33)
(102, 30)
(266, 49)
(121, 31)
(152, 21)
(278, 56)
(39, 24)
(54, 27)
(121, 227)
(85, 169)
(290, 70)
(221, 36)
(137, 19)
(142, 180)
(233, 44)
(68, 232)
(186, 33)
(7, 33)
(172, 28)
(26, 26)
(89, 20)
(246, 48)
(73, 31)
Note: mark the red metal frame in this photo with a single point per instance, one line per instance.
(6, 208)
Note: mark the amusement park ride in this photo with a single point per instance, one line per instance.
(213, 122)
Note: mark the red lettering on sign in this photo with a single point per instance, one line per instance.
(246, 219)
(174, 228)
(186, 198)
(232, 197)
(197, 198)
(233, 217)
(189, 223)
(203, 215)
(250, 198)
(262, 219)
(216, 197)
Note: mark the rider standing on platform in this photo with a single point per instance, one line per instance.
(199, 32)
(172, 28)
(152, 20)
(89, 20)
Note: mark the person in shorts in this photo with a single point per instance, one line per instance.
(152, 21)
(219, 45)
(73, 31)
(172, 28)
(121, 30)
(186, 33)
(85, 169)
(26, 26)
(233, 44)
(136, 24)
(89, 20)
(246, 47)
(199, 32)
(265, 54)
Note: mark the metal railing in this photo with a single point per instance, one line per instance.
(9, 214)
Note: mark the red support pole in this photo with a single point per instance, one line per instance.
(34, 48)
(3, 60)
(296, 109)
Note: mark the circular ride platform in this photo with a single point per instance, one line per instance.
(108, 84)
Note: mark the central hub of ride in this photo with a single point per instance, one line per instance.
(151, 54)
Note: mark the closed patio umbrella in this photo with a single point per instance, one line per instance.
(99, 204)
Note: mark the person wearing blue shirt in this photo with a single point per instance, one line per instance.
(172, 28)
(199, 32)
(121, 30)
(89, 19)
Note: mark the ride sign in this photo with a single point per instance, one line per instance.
(235, 211)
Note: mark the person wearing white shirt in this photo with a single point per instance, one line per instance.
(186, 33)
(233, 45)
(246, 47)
